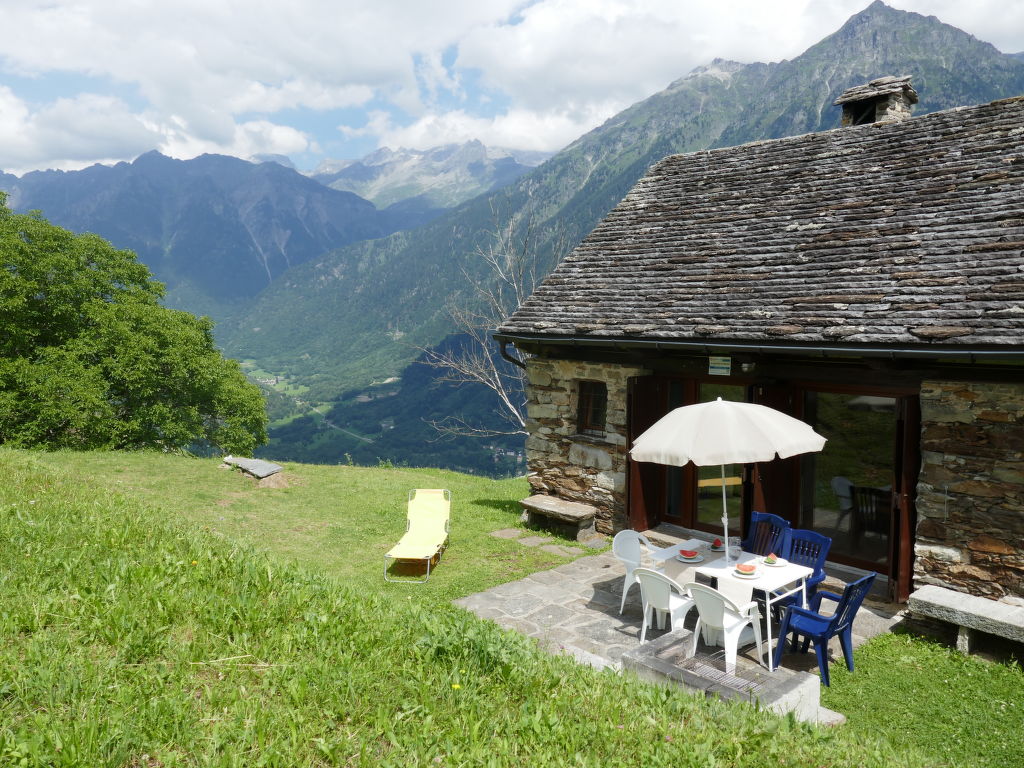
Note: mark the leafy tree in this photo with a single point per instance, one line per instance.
(90, 359)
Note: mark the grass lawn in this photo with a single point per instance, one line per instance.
(961, 710)
(338, 520)
(132, 639)
(335, 519)
(157, 605)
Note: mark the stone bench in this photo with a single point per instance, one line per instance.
(970, 613)
(255, 467)
(570, 518)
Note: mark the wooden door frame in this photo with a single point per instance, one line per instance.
(904, 517)
(645, 482)
(906, 467)
(647, 400)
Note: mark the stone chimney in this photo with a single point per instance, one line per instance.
(884, 100)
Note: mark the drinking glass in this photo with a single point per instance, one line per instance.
(734, 547)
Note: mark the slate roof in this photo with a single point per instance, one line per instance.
(903, 234)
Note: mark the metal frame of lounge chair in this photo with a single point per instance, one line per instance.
(426, 508)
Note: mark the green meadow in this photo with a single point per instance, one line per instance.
(158, 611)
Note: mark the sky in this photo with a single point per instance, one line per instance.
(100, 81)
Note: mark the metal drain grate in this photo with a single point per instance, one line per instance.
(706, 670)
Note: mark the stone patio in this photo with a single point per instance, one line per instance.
(574, 609)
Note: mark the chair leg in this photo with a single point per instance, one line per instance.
(731, 639)
(780, 645)
(661, 618)
(762, 659)
(626, 584)
(821, 651)
(781, 642)
(647, 617)
(846, 641)
(678, 619)
(696, 636)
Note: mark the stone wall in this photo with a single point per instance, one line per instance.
(562, 463)
(970, 505)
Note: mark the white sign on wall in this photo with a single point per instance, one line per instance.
(719, 365)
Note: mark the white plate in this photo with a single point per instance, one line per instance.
(717, 549)
(697, 559)
(777, 564)
(739, 575)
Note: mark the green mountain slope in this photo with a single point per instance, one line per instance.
(216, 230)
(363, 309)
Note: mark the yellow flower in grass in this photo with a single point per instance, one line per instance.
(456, 686)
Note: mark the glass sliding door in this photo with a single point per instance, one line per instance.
(710, 480)
(847, 489)
(694, 494)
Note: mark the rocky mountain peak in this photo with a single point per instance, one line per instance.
(439, 177)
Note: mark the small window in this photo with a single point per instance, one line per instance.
(593, 404)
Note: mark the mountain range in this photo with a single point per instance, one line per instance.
(441, 177)
(339, 326)
(216, 230)
(391, 294)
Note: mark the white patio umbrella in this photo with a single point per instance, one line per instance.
(724, 432)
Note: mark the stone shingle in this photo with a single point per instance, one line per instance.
(905, 233)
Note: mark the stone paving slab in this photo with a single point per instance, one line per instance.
(507, 533)
(549, 616)
(551, 593)
(545, 577)
(574, 609)
(559, 549)
(533, 541)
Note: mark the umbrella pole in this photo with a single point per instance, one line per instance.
(725, 517)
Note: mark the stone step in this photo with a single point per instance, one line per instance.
(669, 660)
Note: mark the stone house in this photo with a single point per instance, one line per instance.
(868, 279)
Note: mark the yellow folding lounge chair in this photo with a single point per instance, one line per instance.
(426, 533)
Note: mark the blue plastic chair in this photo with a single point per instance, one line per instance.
(819, 629)
(768, 533)
(811, 549)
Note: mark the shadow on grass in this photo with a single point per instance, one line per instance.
(502, 505)
(410, 571)
(993, 648)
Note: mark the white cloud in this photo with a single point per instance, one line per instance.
(250, 138)
(518, 128)
(255, 96)
(234, 74)
(589, 59)
(69, 133)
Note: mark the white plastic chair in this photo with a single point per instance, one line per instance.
(626, 546)
(722, 623)
(662, 597)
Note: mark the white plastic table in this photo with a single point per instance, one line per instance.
(737, 588)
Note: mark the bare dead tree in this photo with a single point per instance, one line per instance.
(511, 269)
